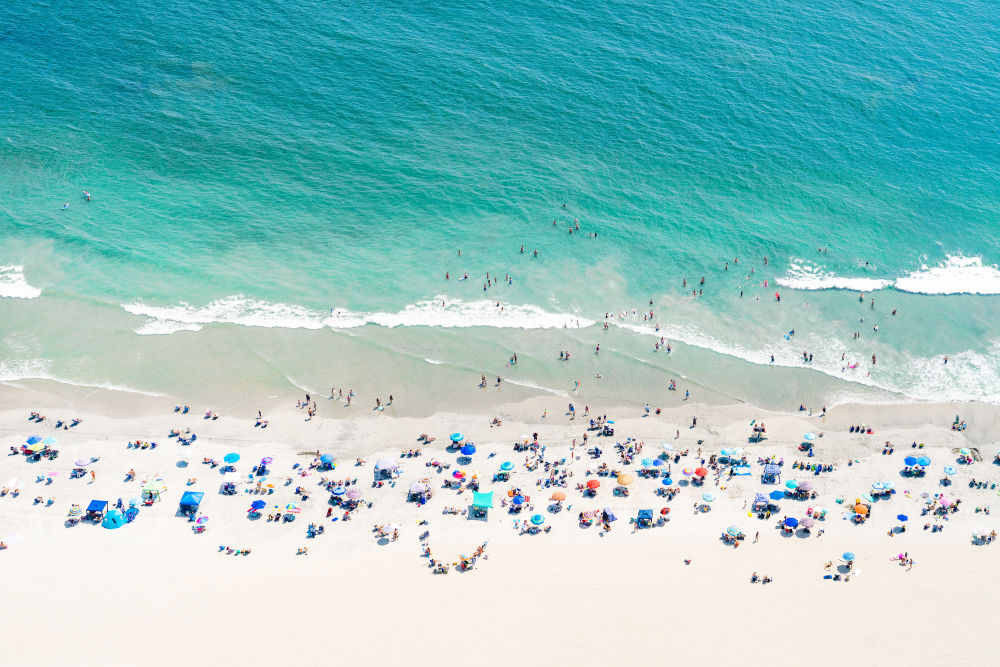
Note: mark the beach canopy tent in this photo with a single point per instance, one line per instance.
(645, 517)
(772, 473)
(609, 515)
(384, 468)
(417, 491)
(191, 500)
(760, 501)
(483, 500)
(98, 506)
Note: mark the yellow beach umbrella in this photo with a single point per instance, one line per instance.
(625, 479)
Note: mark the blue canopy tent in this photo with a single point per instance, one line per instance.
(772, 474)
(191, 500)
(644, 518)
(760, 502)
(609, 515)
(482, 502)
(97, 507)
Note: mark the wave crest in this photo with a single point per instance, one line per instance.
(957, 274)
(14, 285)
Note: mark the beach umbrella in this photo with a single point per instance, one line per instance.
(687, 472)
(963, 451)
(50, 440)
(81, 463)
(950, 470)
(135, 501)
(791, 484)
(293, 508)
(647, 463)
(667, 481)
(910, 461)
(559, 495)
(468, 450)
(808, 522)
(847, 556)
(114, 519)
(518, 500)
(339, 491)
(458, 474)
(944, 502)
(902, 517)
(625, 479)
(202, 520)
(805, 486)
(257, 505)
(701, 472)
(593, 484)
(733, 530)
(506, 466)
(878, 486)
(889, 485)
(860, 509)
(667, 447)
(776, 495)
(33, 439)
(326, 458)
(354, 494)
(37, 447)
(791, 522)
(659, 462)
(456, 437)
(868, 498)
(708, 497)
(75, 510)
(537, 519)
(724, 452)
(266, 460)
(924, 460)
(809, 436)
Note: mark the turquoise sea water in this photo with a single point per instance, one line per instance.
(252, 167)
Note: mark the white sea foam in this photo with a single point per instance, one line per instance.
(14, 285)
(807, 277)
(41, 369)
(968, 376)
(242, 311)
(957, 274)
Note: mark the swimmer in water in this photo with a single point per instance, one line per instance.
(65, 206)
(86, 194)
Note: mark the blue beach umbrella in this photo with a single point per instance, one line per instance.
(647, 463)
(50, 440)
(114, 519)
(135, 501)
(538, 519)
(667, 481)
(889, 485)
(950, 470)
(232, 457)
(791, 522)
(810, 436)
(924, 461)
(326, 458)
(33, 440)
(725, 452)
(792, 484)
(878, 486)
(733, 530)
(456, 437)
(658, 462)
(506, 466)
(902, 517)
(848, 555)
(776, 495)
(910, 461)
(708, 497)
(518, 500)
(258, 505)
(339, 491)
(468, 450)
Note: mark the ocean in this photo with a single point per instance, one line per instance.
(277, 195)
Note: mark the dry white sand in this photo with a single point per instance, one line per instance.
(153, 592)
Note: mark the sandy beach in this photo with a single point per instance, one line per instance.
(158, 591)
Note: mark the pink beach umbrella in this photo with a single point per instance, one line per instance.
(354, 494)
